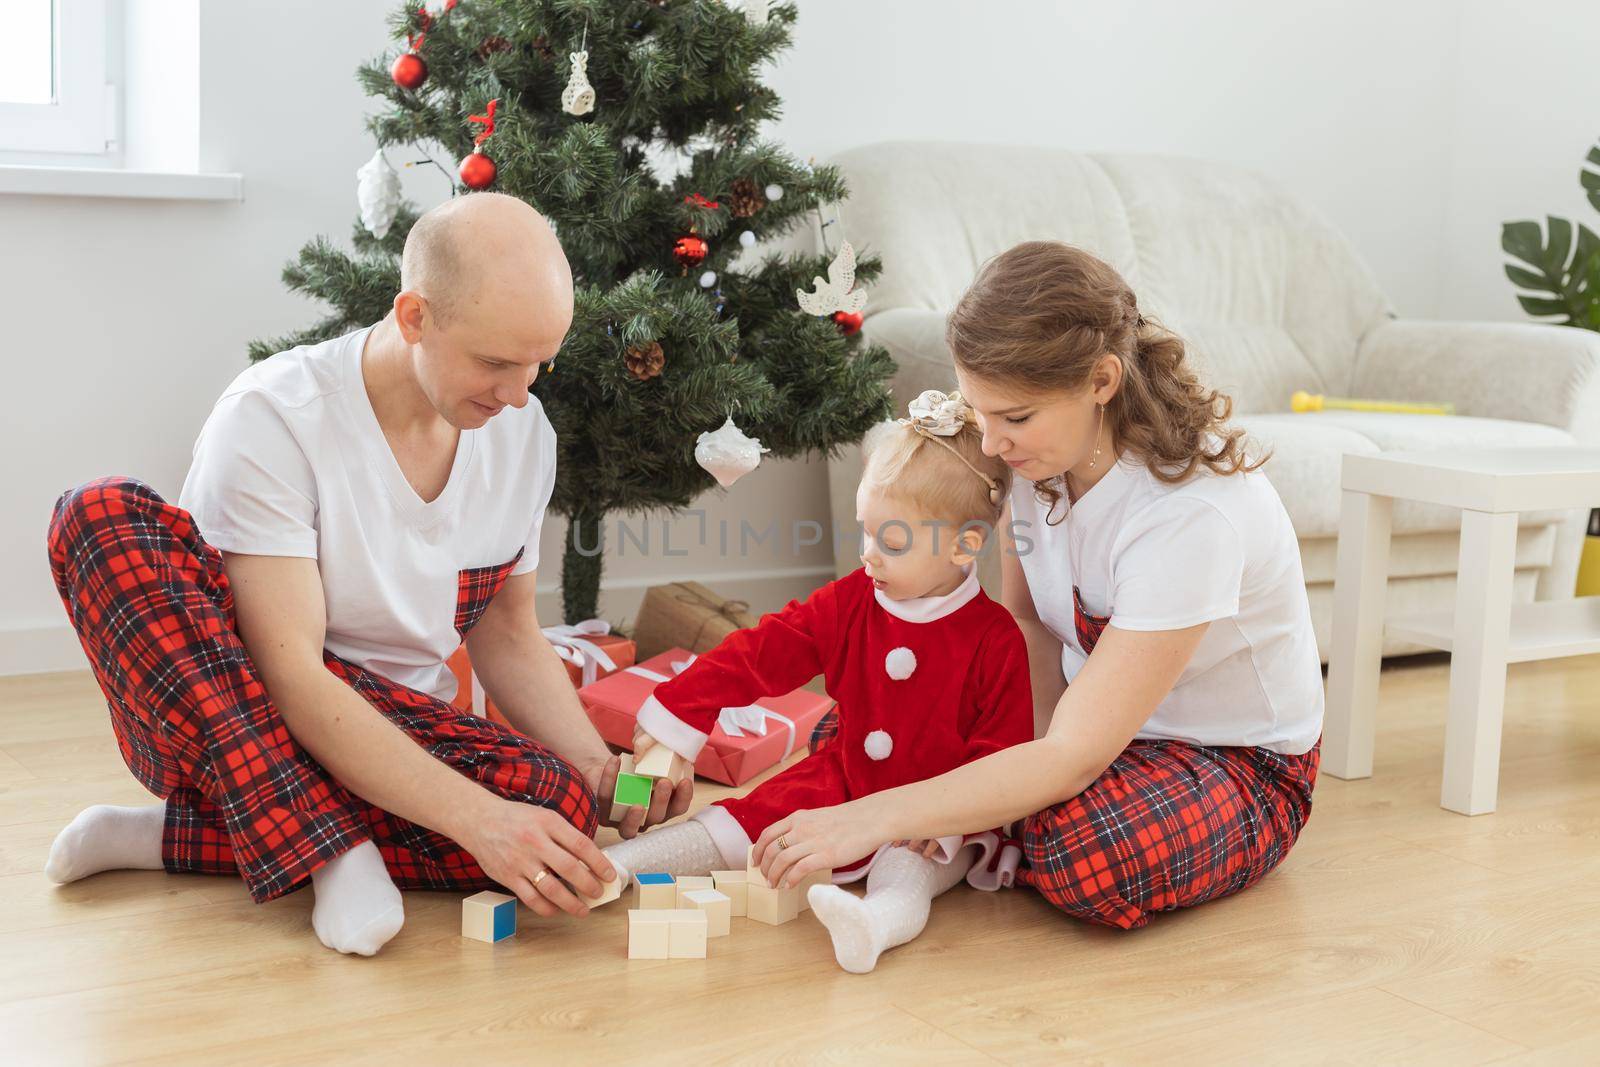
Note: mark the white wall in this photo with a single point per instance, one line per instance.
(1406, 123)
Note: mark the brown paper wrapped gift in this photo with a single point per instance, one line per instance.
(686, 615)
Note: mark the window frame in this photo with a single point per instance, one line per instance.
(78, 120)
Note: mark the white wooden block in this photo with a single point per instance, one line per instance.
(718, 909)
(752, 870)
(772, 906)
(657, 763)
(687, 940)
(609, 891)
(649, 935)
(688, 883)
(733, 885)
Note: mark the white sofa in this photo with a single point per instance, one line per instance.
(1269, 298)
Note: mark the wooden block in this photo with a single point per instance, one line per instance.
(732, 884)
(488, 916)
(655, 891)
(633, 789)
(752, 871)
(649, 935)
(804, 888)
(771, 906)
(609, 891)
(687, 940)
(657, 763)
(718, 909)
(688, 883)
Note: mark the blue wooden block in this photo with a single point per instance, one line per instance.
(656, 879)
(489, 916)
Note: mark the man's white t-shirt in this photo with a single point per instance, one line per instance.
(1155, 556)
(292, 462)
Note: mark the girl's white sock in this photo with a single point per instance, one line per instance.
(682, 848)
(900, 891)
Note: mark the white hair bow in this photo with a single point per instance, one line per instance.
(938, 413)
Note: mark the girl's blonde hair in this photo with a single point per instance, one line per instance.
(908, 466)
(1039, 316)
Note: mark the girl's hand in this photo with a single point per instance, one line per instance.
(824, 839)
(927, 849)
(667, 801)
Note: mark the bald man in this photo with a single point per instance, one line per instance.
(272, 648)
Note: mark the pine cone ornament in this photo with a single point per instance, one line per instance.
(541, 44)
(744, 198)
(490, 45)
(645, 361)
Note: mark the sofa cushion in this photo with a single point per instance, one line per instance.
(1307, 452)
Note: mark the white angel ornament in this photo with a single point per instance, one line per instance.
(835, 294)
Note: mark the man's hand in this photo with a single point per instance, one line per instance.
(513, 842)
(666, 801)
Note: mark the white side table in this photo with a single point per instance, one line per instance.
(1484, 633)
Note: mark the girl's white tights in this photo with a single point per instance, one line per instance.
(900, 891)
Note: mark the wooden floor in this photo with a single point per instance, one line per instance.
(1395, 931)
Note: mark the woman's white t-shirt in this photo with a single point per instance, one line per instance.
(1151, 555)
(292, 462)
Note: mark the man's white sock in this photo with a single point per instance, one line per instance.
(358, 908)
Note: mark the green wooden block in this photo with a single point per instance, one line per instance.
(633, 789)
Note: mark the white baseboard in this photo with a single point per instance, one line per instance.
(52, 649)
(41, 650)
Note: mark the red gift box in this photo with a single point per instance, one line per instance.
(744, 742)
(589, 650)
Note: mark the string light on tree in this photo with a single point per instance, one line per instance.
(478, 171)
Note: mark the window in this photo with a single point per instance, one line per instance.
(53, 91)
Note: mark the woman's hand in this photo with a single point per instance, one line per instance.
(666, 800)
(823, 839)
(513, 842)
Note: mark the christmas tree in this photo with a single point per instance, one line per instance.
(564, 103)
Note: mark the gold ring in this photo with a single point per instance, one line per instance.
(783, 842)
(540, 876)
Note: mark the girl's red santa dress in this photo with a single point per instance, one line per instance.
(922, 685)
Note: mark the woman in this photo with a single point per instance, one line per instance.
(1157, 578)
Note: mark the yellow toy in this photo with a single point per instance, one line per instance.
(1303, 402)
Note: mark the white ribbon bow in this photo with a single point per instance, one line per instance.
(735, 722)
(587, 656)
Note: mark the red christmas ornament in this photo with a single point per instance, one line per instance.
(690, 250)
(477, 169)
(409, 71)
(849, 322)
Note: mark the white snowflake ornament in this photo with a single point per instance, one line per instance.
(378, 194)
(728, 453)
(578, 97)
(835, 294)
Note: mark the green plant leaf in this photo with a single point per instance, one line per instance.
(1553, 275)
(1589, 177)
